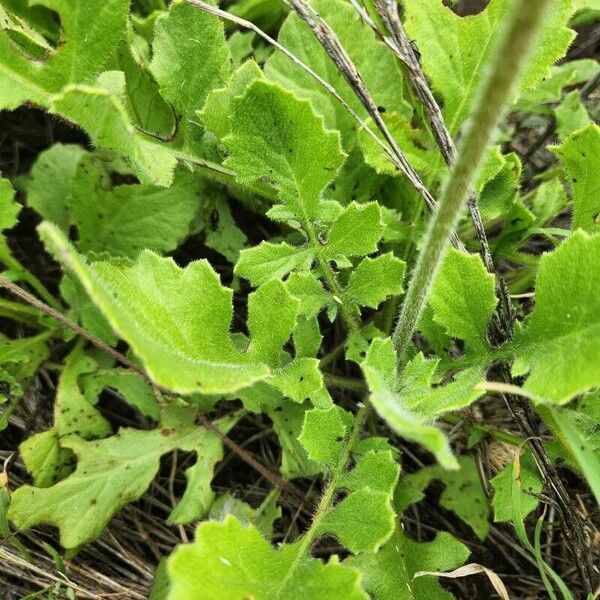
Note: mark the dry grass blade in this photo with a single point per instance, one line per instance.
(471, 569)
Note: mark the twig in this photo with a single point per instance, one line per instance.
(269, 475)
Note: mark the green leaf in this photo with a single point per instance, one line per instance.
(561, 341)
(125, 219)
(462, 493)
(49, 185)
(44, 458)
(301, 379)
(580, 154)
(455, 50)
(379, 368)
(22, 357)
(84, 311)
(548, 200)
(229, 556)
(388, 574)
(426, 159)
(272, 261)
(101, 112)
(216, 114)
(78, 59)
(364, 519)
(418, 393)
(308, 289)
(9, 212)
(277, 137)
(572, 429)
(307, 337)
(190, 58)
(262, 517)
(463, 298)
(375, 279)
(143, 101)
(268, 333)
(571, 115)
(549, 90)
(176, 320)
(323, 434)
(74, 413)
(374, 61)
(531, 484)
(288, 419)
(198, 496)
(355, 232)
(111, 473)
(128, 384)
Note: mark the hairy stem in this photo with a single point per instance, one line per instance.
(504, 71)
(403, 48)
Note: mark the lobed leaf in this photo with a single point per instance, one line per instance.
(176, 320)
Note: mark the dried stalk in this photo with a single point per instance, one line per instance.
(401, 46)
(520, 409)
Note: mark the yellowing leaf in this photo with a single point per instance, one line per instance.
(111, 473)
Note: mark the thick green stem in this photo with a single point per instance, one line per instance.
(504, 71)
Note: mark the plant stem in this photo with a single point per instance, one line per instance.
(327, 496)
(504, 72)
(340, 58)
(29, 278)
(345, 383)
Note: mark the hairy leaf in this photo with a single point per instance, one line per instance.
(562, 338)
(379, 368)
(190, 59)
(79, 58)
(176, 320)
(580, 154)
(229, 556)
(111, 473)
(126, 219)
(279, 138)
(99, 109)
(388, 574)
(373, 60)
(463, 298)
